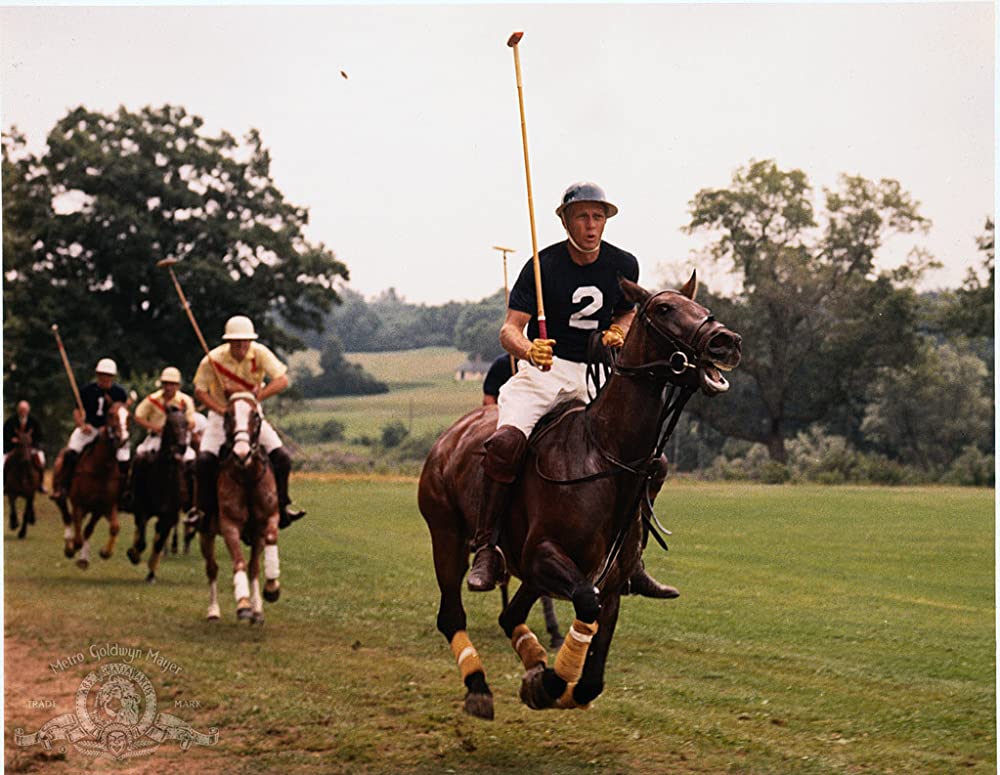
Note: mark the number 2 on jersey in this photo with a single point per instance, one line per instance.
(579, 318)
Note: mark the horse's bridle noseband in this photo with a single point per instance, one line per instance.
(685, 355)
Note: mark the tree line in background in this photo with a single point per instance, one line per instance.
(848, 372)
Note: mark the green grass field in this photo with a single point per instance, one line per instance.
(820, 630)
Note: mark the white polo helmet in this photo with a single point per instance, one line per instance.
(170, 374)
(585, 192)
(239, 327)
(107, 366)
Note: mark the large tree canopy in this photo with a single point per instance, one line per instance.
(816, 314)
(86, 222)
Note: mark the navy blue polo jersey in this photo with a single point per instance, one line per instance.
(578, 299)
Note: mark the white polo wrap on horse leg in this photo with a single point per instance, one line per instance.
(241, 585)
(272, 569)
(573, 653)
(68, 532)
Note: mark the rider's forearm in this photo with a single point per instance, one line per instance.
(273, 387)
(624, 320)
(514, 341)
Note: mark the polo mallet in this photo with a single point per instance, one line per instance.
(506, 296)
(69, 371)
(512, 41)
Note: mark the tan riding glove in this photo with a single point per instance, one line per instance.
(540, 353)
(614, 336)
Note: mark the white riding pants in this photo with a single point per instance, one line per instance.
(215, 435)
(80, 438)
(151, 444)
(531, 393)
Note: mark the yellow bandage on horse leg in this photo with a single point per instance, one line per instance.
(531, 652)
(573, 653)
(465, 654)
(567, 701)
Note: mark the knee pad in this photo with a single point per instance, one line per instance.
(505, 451)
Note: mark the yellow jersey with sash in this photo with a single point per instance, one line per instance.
(259, 362)
(153, 408)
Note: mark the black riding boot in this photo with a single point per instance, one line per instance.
(125, 499)
(281, 462)
(505, 450)
(69, 461)
(206, 504)
(641, 583)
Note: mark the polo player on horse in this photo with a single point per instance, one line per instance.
(96, 397)
(24, 422)
(240, 364)
(151, 412)
(581, 295)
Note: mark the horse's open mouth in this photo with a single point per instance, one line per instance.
(712, 381)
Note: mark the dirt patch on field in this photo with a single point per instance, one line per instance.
(35, 693)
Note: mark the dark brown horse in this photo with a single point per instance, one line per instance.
(94, 489)
(21, 479)
(160, 489)
(573, 530)
(248, 510)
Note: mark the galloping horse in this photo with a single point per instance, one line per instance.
(160, 488)
(574, 527)
(94, 489)
(248, 509)
(21, 479)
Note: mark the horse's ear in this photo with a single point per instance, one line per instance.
(634, 292)
(690, 288)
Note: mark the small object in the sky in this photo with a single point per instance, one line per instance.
(343, 74)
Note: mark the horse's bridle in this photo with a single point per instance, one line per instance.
(250, 435)
(686, 353)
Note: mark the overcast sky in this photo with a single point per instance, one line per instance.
(412, 167)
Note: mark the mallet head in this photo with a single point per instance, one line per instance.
(170, 261)
(514, 39)
(55, 328)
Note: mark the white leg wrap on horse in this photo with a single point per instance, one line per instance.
(68, 532)
(241, 585)
(272, 569)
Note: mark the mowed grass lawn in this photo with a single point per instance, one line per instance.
(820, 630)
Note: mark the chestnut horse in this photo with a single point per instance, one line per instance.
(94, 489)
(574, 529)
(160, 489)
(21, 479)
(248, 510)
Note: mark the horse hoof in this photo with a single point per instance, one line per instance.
(105, 555)
(151, 578)
(556, 642)
(272, 596)
(243, 614)
(257, 618)
(21, 535)
(133, 555)
(69, 551)
(214, 614)
(479, 705)
(83, 564)
(533, 692)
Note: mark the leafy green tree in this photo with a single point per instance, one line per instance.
(928, 412)
(477, 329)
(816, 315)
(112, 195)
(969, 311)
